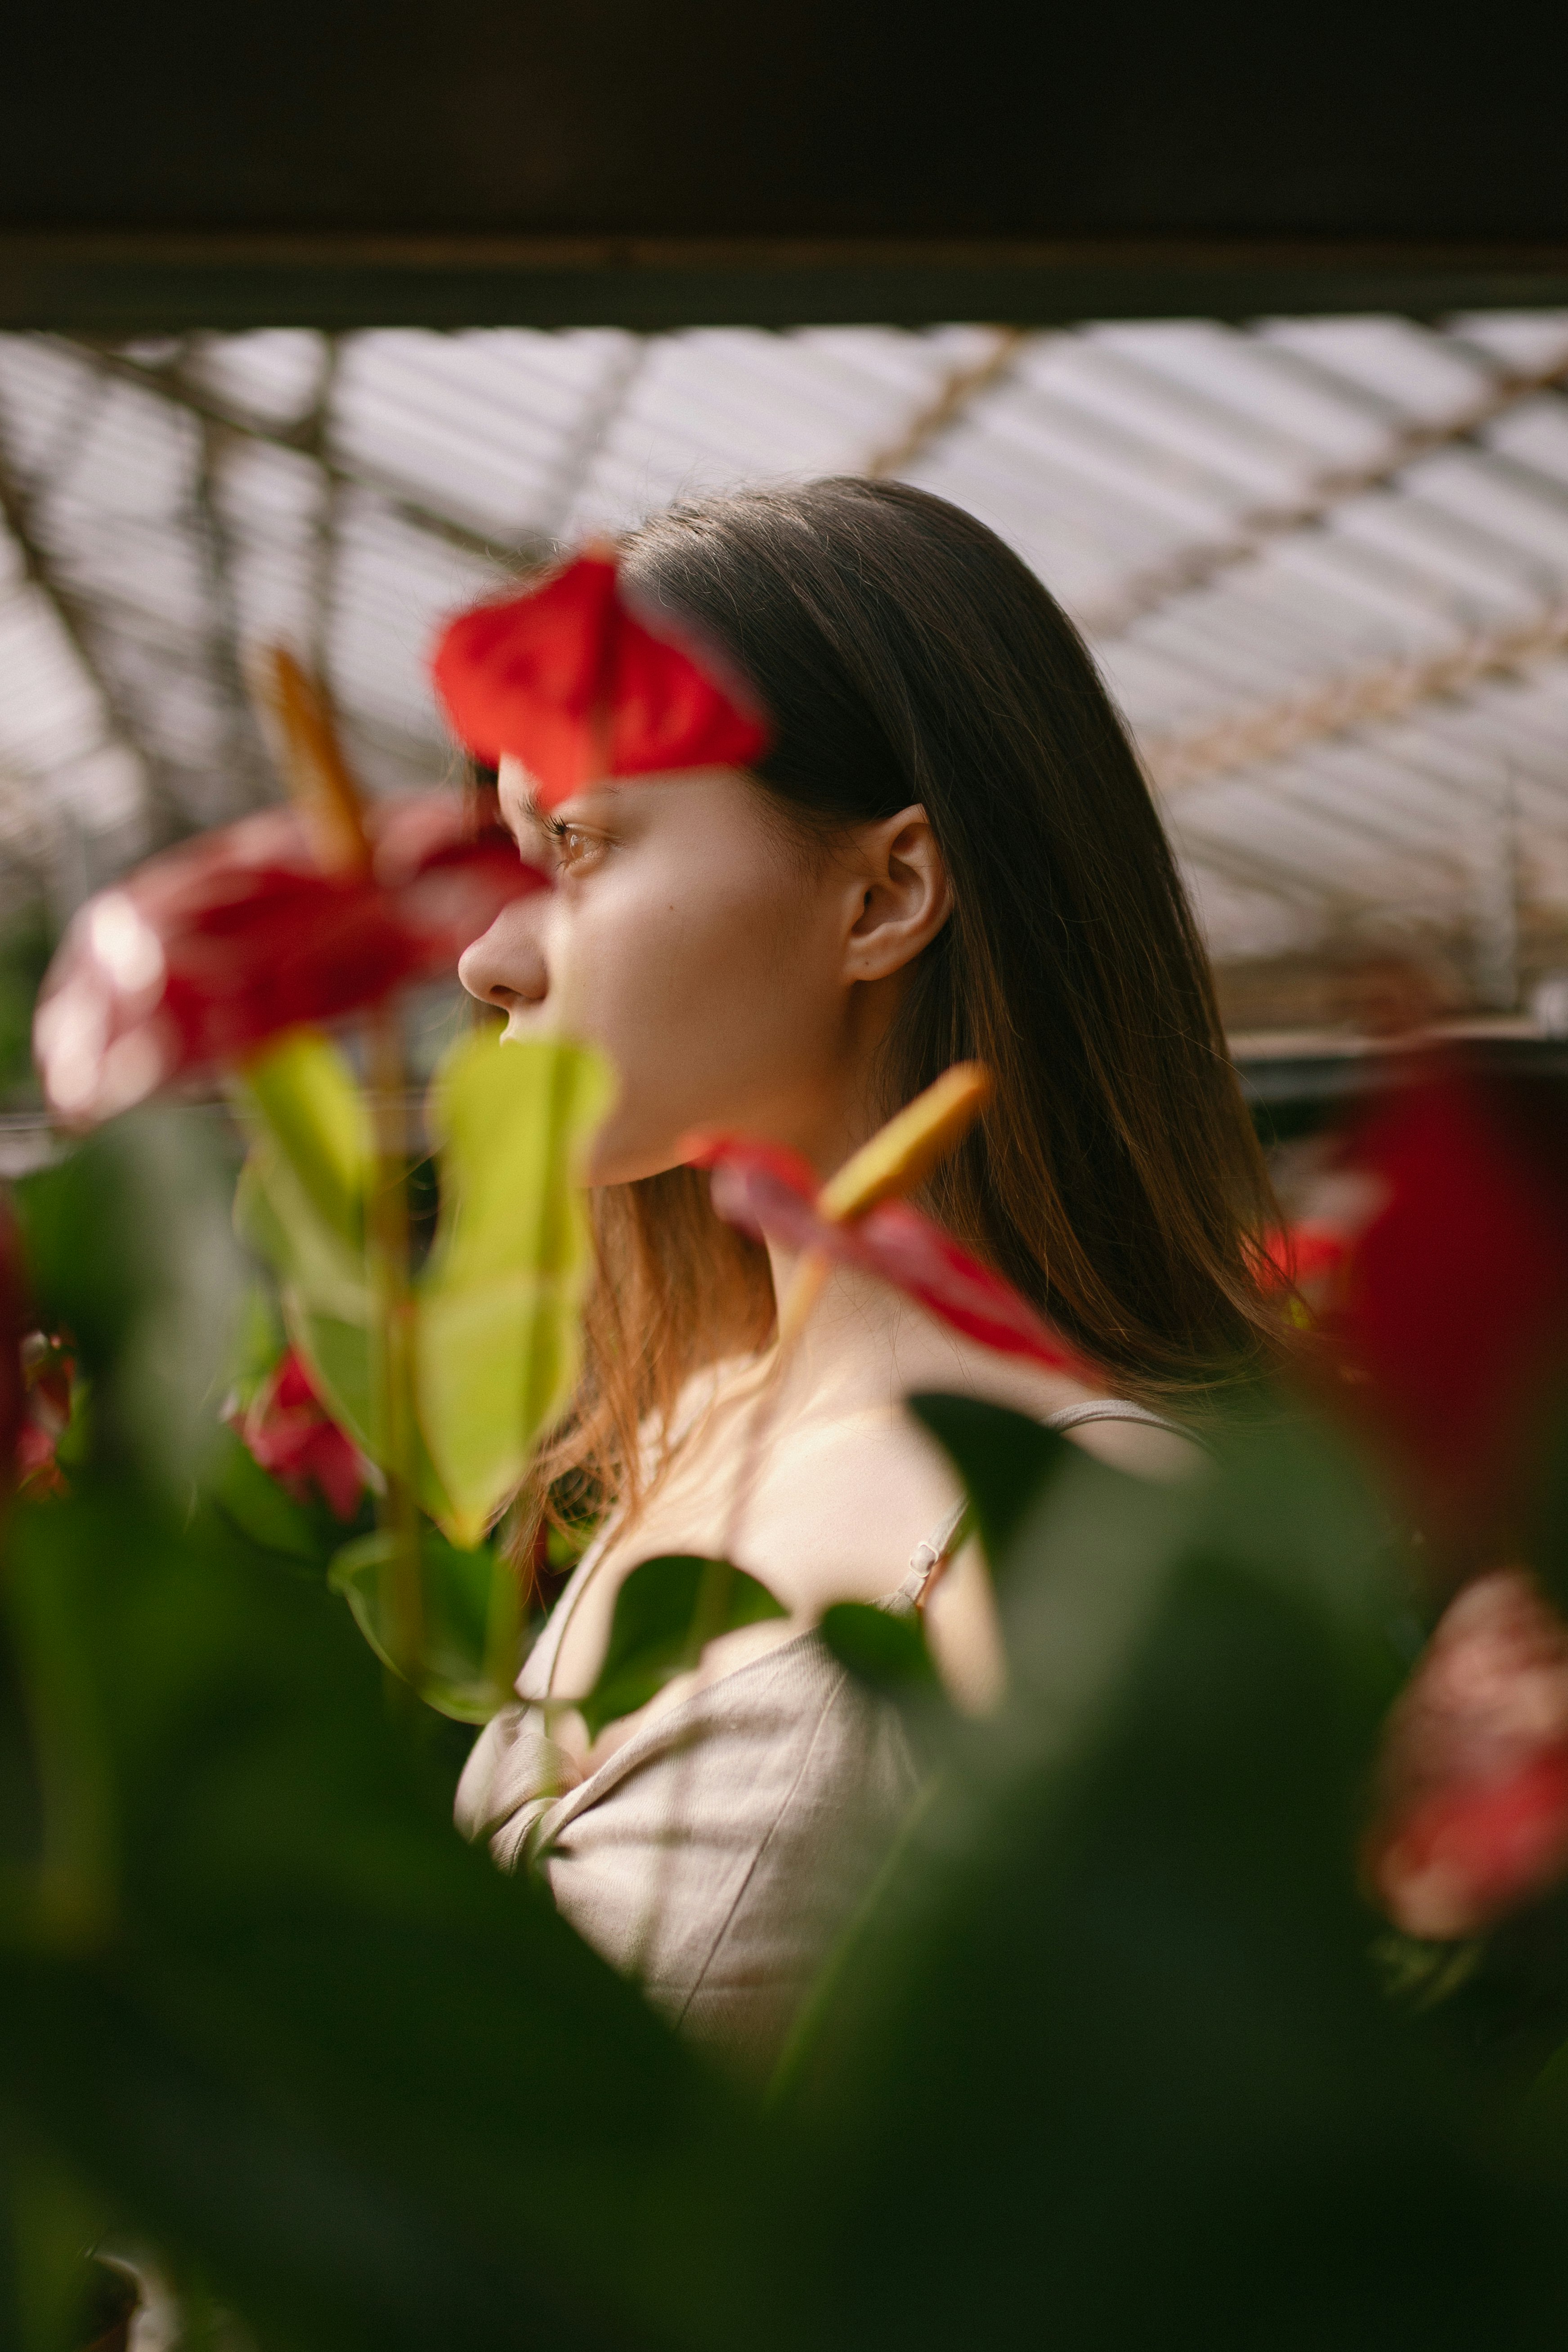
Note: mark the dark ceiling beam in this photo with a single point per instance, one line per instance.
(144, 282)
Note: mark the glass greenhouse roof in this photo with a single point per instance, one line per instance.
(1323, 563)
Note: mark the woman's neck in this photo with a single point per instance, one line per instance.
(851, 1332)
(864, 1345)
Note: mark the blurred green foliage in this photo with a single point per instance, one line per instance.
(667, 1612)
(464, 1592)
(888, 1652)
(26, 944)
(495, 1302)
(1103, 2061)
(258, 1996)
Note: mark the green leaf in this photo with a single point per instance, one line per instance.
(498, 1301)
(497, 1341)
(256, 1508)
(63, 2298)
(258, 1341)
(1005, 1460)
(327, 1300)
(301, 1093)
(667, 1612)
(327, 1305)
(465, 1592)
(887, 1652)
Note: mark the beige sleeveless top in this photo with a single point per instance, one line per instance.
(717, 1852)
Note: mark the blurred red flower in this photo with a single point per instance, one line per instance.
(35, 1375)
(1448, 1311)
(1303, 1255)
(1473, 1820)
(290, 1433)
(212, 948)
(579, 685)
(769, 1191)
(49, 1369)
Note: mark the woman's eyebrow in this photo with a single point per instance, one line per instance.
(592, 806)
(529, 815)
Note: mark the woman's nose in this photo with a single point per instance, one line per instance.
(505, 967)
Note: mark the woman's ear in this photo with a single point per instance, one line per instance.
(903, 895)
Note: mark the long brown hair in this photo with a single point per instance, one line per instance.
(906, 655)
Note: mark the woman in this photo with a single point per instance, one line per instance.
(948, 853)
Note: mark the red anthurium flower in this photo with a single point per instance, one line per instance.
(769, 1191)
(1474, 1820)
(35, 1375)
(212, 948)
(1449, 1310)
(578, 685)
(49, 1369)
(1304, 1253)
(1470, 1855)
(293, 1438)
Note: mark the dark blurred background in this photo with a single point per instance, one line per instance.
(1268, 150)
(610, 117)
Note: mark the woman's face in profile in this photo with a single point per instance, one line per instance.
(692, 941)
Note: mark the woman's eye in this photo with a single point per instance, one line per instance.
(573, 847)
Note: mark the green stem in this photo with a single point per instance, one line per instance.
(394, 1342)
(502, 1620)
(70, 1901)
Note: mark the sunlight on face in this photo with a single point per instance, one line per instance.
(688, 942)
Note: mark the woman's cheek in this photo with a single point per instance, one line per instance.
(610, 977)
(579, 948)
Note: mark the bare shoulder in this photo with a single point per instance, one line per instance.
(842, 1503)
(1123, 1435)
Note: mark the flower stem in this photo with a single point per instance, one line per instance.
(393, 1340)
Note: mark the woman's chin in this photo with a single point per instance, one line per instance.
(616, 1162)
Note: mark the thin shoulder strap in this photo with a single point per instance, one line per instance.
(1073, 1416)
(943, 1540)
(925, 1560)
